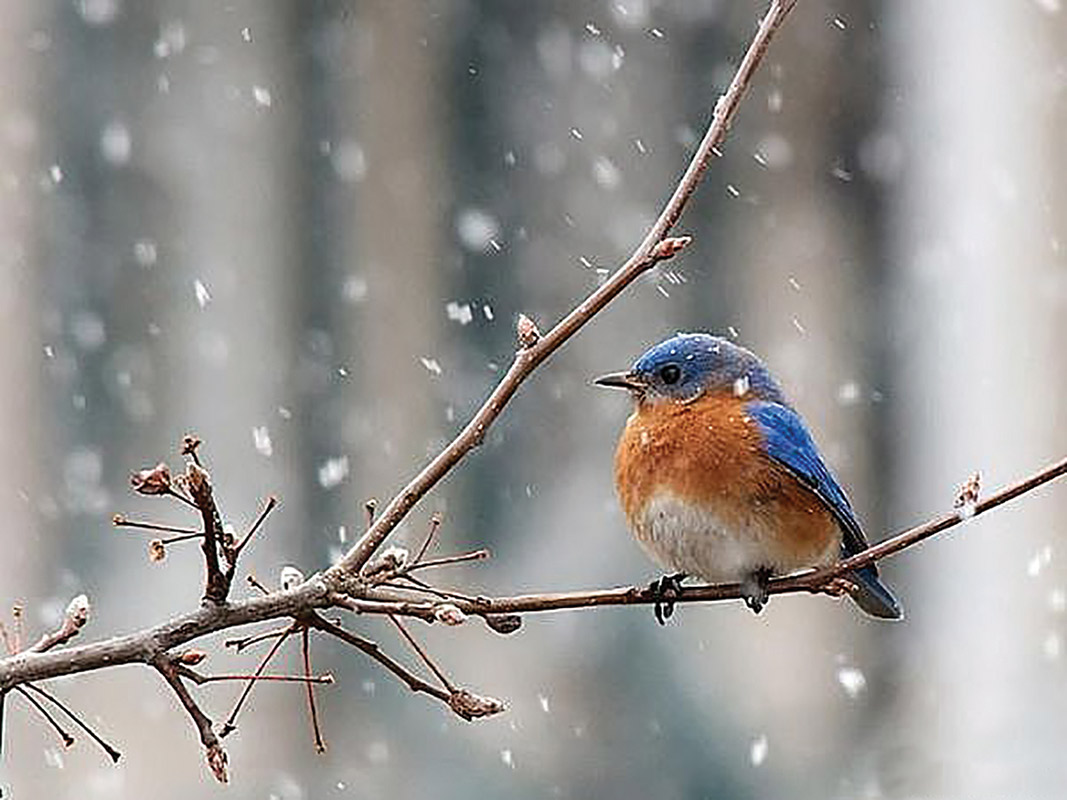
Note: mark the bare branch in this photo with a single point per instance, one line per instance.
(217, 586)
(74, 619)
(112, 753)
(316, 731)
(422, 654)
(63, 733)
(527, 359)
(272, 503)
(413, 681)
(213, 752)
(229, 726)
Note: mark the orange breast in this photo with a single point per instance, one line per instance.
(708, 455)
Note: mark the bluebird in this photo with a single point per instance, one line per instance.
(719, 478)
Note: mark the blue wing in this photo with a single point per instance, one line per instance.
(788, 442)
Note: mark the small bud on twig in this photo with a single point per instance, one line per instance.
(157, 551)
(503, 623)
(527, 332)
(392, 560)
(152, 481)
(449, 614)
(216, 760)
(472, 706)
(968, 495)
(670, 247)
(191, 657)
(77, 613)
(291, 578)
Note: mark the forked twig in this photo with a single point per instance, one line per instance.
(535, 348)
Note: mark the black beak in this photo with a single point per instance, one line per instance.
(621, 380)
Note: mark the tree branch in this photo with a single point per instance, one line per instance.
(213, 752)
(535, 349)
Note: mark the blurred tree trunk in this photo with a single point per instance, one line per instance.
(25, 550)
(218, 141)
(979, 332)
(390, 238)
(799, 237)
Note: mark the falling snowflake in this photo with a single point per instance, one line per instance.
(852, 680)
(262, 96)
(333, 471)
(261, 439)
(459, 312)
(203, 296)
(477, 229)
(757, 753)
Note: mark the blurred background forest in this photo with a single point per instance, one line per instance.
(303, 230)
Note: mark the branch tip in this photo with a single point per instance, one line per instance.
(471, 706)
(527, 332)
(670, 247)
(151, 481)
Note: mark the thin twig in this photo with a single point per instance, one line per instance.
(63, 733)
(425, 588)
(413, 681)
(228, 726)
(528, 358)
(247, 641)
(272, 502)
(422, 654)
(435, 523)
(255, 583)
(213, 752)
(316, 732)
(74, 619)
(119, 521)
(217, 583)
(476, 555)
(17, 619)
(112, 753)
(200, 678)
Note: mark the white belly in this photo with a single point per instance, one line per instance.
(681, 538)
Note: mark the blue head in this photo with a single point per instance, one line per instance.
(689, 365)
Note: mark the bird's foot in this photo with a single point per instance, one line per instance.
(754, 589)
(665, 591)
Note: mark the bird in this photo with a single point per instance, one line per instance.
(719, 478)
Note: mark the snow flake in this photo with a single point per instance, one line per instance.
(261, 440)
(757, 752)
(145, 252)
(459, 312)
(262, 96)
(333, 471)
(203, 296)
(852, 680)
(476, 228)
(115, 143)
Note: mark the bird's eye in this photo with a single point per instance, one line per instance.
(670, 374)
